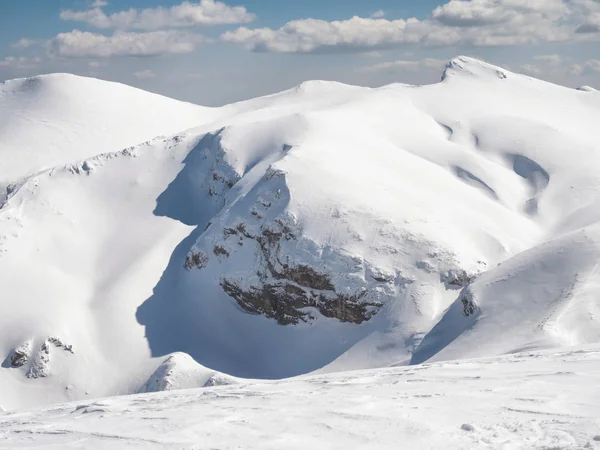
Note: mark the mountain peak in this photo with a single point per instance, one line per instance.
(465, 65)
(72, 115)
(319, 86)
(586, 89)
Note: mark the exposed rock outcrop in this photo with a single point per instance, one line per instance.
(36, 364)
(284, 291)
(19, 356)
(468, 303)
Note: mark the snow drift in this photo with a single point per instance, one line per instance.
(328, 227)
(533, 400)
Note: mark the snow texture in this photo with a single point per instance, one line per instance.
(523, 401)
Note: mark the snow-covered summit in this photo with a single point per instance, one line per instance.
(49, 120)
(464, 65)
(328, 227)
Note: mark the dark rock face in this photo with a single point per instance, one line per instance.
(35, 363)
(469, 305)
(307, 276)
(195, 259)
(285, 290)
(457, 279)
(19, 358)
(284, 301)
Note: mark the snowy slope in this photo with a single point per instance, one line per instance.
(527, 401)
(56, 119)
(73, 271)
(328, 227)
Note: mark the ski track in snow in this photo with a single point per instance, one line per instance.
(545, 400)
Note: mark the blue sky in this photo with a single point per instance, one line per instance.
(213, 52)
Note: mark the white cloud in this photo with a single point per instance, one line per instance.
(96, 64)
(309, 35)
(21, 62)
(24, 43)
(594, 65)
(553, 60)
(468, 13)
(373, 54)
(465, 13)
(591, 25)
(99, 4)
(186, 14)
(589, 16)
(378, 14)
(586, 68)
(407, 66)
(530, 69)
(576, 69)
(81, 44)
(144, 74)
(456, 23)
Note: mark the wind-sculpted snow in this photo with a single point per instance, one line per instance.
(525, 401)
(328, 227)
(180, 371)
(541, 298)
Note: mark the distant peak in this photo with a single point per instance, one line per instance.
(40, 82)
(586, 89)
(471, 66)
(320, 86)
(39, 79)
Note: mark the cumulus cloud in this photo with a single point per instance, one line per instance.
(591, 25)
(594, 65)
(99, 4)
(457, 22)
(378, 14)
(468, 13)
(589, 16)
(144, 74)
(530, 69)
(81, 44)
(186, 14)
(406, 65)
(589, 67)
(21, 62)
(553, 60)
(308, 35)
(24, 43)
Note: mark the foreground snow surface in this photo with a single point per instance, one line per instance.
(546, 400)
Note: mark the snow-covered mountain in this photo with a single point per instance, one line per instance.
(52, 120)
(325, 228)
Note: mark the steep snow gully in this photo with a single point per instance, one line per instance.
(324, 228)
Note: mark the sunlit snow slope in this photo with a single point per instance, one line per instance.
(56, 119)
(328, 227)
